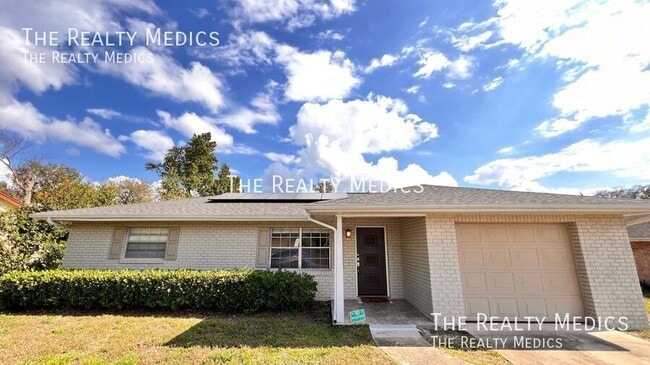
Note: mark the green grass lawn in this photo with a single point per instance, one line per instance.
(183, 338)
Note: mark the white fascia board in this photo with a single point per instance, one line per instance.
(113, 218)
(481, 209)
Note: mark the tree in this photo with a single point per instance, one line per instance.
(634, 192)
(130, 190)
(12, 148)
(57, 187)
(193, 170)
(27, 244)
(323, 187)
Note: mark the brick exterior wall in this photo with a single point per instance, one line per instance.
(210, 245)
(606, 270)
(422, 257)
(415, 255)
(641, 251)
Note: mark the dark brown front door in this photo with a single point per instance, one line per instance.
(371, 256)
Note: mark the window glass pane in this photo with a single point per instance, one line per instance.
(315, 238)
(284, 258)
(285, 237)
(147, 242)
(315, 258)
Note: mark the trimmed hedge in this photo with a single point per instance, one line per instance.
(244, 290)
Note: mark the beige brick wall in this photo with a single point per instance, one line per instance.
(446, 285)
(417, 273)
(422, 257)
(210, 245)
(606, 269)
(641, 251)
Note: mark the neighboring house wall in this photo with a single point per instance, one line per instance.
(641, 251)
(209, 245)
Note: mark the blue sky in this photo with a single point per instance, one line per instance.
(525, 95)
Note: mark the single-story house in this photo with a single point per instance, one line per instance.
(8, 202)
(639, 232)
(449, 250)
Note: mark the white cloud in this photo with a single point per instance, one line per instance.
(507, 150)
(430, 62)
(24, 119)
(155, 142)
(330, 34)
(621, 158)
(164, 76)
(104, 113)
(335, 136)
(467, 43)
(242, 48)
(16, 72)
(385, 61)
(190, 124)
(263, 111)
(318, 76)
(448, 85)
(296, 13)
(460, 68)
(282, 158)
(433, 61)
(496, 82)
(413, 89)
(602, 48)
(201, 12)
(641, 126)
(377, 124)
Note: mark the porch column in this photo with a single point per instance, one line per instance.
(339, 311)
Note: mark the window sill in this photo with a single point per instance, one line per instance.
(141, 261)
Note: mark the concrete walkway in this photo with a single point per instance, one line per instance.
(405, 345)
(578, 348)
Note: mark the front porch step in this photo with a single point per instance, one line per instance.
(397, 335)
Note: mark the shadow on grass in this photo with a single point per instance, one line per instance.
(308, 329)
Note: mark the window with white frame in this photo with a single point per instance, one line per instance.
(300, 248)
(147, 242)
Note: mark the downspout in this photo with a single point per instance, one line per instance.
(338, 316)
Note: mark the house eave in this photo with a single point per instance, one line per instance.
(510, 209)
(168, 218)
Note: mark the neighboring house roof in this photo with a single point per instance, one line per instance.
(455, 199)
(9, 200)
(234, 207)
(639, 232)
(637, 219)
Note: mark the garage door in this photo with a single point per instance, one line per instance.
(517, 270)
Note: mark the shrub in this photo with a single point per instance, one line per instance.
(243, 290)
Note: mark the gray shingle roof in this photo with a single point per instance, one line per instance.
(639, 232)
(186, 209)
(433, 197)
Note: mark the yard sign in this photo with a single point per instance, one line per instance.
(358, 315)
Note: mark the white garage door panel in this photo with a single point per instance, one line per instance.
(518, 270)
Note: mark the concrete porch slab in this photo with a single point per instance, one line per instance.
(397, 312)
